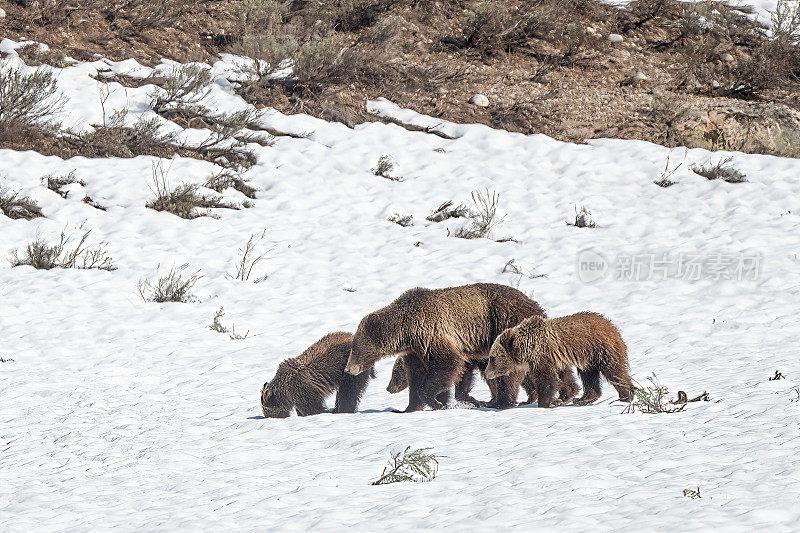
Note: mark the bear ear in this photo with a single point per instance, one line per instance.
(267, 396)
(511, 345)
(373, 324)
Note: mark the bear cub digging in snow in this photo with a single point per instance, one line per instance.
(303, 382)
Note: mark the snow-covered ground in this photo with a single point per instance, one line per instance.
(119, 413)
(762, 10)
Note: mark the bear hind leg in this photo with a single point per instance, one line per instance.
(590, 378)
(568, 387)
(546, 381)
(618, 376)
(444, 370)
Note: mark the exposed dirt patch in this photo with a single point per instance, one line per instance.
(546, 66)
(183, 30)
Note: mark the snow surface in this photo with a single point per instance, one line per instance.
(762, 9)
(116, 413)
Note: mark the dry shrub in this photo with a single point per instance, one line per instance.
(583, 219)
(770, 58)
(184, 88)
(114, 139)
(251, 255)
(184, 200)
(63, 254)
(57, 183)
(448, 210)
(172, 287)
(403, 221)
(652, 399)
(353, 15)
(553, 31)
(482, 216)
(28, 101)
(722, 169)
(33, 56)
(16, 206)
(145, 15)
(226, 179)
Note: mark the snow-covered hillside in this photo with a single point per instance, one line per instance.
(117, 412)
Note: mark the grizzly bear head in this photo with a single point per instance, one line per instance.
(505, 356)
(399, 379)
(371, 342)
(274, 404)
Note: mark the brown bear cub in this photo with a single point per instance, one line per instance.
(399, 382)
(439, 332)
(567, 387)
(543, 347)
(303, 382)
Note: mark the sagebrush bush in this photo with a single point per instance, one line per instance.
(17, 206)
(353, 15)
(404, 221)
(710, 28)
(227, 179)
(28, 100)
(448, 210)
(182, 200)
(492, 28)
(66, 253)
(114, 139)
(384, 168)
(185, 87)
(57, 183)
(721, 170)
(172, 287)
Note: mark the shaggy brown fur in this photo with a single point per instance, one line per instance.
(399, 382)
(303, 382)
(567, 386)
(438, 332)
(585, 340)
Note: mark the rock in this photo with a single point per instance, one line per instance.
(2, 14)
(615, 37)
(591, 31)
(639, 76)
(753, 127)
(479, 100)
(715, 84)
(727, 57)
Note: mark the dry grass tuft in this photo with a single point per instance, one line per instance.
(482, 216)
(249, 257)
(172, 287)
(64, 254)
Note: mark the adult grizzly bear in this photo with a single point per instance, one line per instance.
(567, 387)
(303, 382)
(438, 331)
(543, 347)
